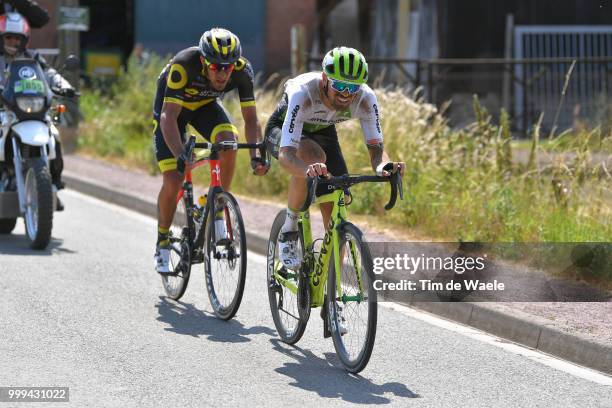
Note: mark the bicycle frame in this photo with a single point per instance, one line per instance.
(186, 193)
(318, 269)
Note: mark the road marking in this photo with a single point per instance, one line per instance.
(534, 355)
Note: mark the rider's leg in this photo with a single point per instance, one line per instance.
(289, 251)
(227, 159)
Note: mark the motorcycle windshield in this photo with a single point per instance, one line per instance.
(25, 78)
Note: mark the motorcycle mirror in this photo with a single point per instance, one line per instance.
(71, 63)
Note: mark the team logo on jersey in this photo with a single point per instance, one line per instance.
(377, 118)
(294, 113)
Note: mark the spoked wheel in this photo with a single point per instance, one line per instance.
(225, 257)
(289, 319)
(352, 307)
(38, 215)
(175, 283)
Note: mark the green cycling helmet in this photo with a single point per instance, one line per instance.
(346, 64)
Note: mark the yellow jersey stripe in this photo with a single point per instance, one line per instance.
(188, 105)
(247, 103)
(223, 127)
(167, 165)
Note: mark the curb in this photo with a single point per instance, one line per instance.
(516, 329)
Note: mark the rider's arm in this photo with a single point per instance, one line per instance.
(369, 115)
(244, 78)
(291, 135)
(169, 127)
(252, 127)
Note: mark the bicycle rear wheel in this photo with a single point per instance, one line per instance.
(225, 258)
(283, 289)
(176, 282)
(352, 307)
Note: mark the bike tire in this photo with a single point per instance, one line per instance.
(289, 324)
(175, 284)
(354, 359)
(225, 265)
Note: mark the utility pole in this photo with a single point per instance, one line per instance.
(69, 45)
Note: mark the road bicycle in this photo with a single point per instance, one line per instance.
(336, 275)
(194, 239)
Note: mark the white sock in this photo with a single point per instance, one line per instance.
(291, 221)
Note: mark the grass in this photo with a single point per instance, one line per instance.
(461, 184)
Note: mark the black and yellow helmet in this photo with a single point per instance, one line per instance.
(346, 64)
(220, 46)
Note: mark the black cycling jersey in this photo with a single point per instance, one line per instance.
(183, 82)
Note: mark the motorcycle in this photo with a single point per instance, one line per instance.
(28, 136)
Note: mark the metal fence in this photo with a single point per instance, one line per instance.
(524, 87)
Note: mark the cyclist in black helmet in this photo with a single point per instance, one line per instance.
(188, 89)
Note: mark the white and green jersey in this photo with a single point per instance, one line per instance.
(307, 112)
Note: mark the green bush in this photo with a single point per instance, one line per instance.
(460, 185)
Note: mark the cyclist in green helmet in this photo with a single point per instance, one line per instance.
(301, 133)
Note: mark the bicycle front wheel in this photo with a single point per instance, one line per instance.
(225, 257)
(283, 287)
(175, 284)
(352, 307)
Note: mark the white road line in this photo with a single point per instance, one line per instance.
(534, 355)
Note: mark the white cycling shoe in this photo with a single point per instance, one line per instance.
(162, 260)
(288, 249)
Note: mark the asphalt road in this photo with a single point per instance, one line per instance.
(89, 314)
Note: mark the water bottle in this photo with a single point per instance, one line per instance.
(199, 207)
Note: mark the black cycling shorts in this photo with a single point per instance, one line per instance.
(207, 121)
(327, 138)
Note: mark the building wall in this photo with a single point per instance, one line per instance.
(167, 26)
(280, 16)
(46, 37)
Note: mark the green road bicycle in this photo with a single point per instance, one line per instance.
(335, 274)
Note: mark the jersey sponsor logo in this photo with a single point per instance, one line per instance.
(377, 118)
(294, 113)
(191, 91)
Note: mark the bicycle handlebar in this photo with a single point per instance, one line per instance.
(341, 182)
(191, 144)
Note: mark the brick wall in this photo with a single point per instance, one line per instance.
(280, 16)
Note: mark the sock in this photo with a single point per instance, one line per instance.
(162, 237)
(291, 221)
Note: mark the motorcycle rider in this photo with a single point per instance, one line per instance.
(14, 37)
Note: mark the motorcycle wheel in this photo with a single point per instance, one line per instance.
(38, 215)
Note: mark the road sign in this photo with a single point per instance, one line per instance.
(74, 18)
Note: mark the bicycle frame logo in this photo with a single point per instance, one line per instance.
(215, 173)
(316, 279)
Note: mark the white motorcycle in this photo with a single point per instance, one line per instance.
(27, 144)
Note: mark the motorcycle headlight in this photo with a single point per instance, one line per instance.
(30, 104)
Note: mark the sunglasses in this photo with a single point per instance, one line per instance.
(220, 67)
(340, 86)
